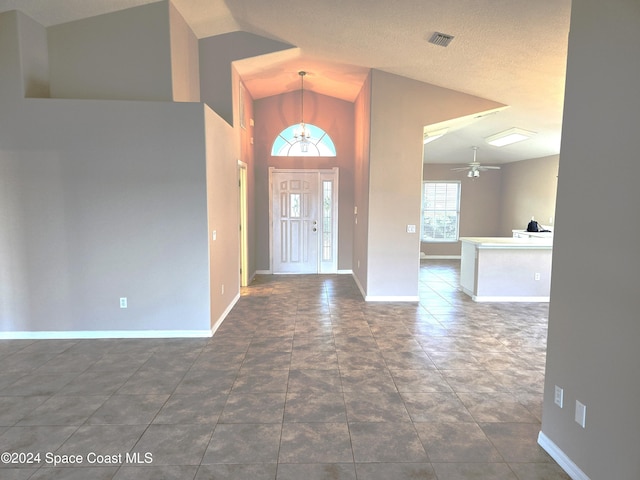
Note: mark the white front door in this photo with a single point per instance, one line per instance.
(304, 232)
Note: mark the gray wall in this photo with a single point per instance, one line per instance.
(594, 326)
(107, 199)
(34, 58)
(11, 80)
(528, 190)
(123, 55)
(216, 55)
(101, 202)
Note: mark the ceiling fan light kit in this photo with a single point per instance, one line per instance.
(474, 168)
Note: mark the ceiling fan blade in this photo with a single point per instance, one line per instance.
(488, 167)
(460, 169)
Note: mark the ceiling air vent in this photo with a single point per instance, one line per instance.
(441, 39)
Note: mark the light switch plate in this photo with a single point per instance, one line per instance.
(559, 396)
(581, 414)
(411, 229)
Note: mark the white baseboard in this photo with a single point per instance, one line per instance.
(383, 298)
(391, 298)
(482, 298)
(561, 458)
(269, 272)
(440, 257)
(94, 334)
(357, 280)
(218, 322)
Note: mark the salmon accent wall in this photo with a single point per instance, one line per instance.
(334, 116)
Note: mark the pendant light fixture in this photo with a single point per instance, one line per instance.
(302, 133)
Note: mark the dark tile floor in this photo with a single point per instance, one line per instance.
(303, 381)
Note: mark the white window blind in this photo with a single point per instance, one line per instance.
(440, 211)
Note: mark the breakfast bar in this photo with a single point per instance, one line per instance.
(506, 269)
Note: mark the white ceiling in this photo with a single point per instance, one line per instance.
(509, 51)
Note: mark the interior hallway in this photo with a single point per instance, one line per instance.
(303, 380)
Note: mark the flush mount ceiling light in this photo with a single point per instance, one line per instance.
(431, 136)
(508, 137)
(302, 133)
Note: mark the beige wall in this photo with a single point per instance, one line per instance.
(499, 201)
(223, 214)
(528, 190)
(362, 122)
(400, 108)
(185, 73)
(480, 205)
(594, 326)
(334, 116)
(125, 55)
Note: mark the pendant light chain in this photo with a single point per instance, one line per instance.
(302, 74)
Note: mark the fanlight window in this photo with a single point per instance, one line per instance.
(319, 144)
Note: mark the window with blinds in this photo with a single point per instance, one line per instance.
(440, 211)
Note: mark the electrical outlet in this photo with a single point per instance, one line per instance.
(581, 414)
(123, 302)
(214, 235)
(536, 276)
(559, 396)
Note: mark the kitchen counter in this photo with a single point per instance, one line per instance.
(526, 234)
(509, 242)
(506, 269)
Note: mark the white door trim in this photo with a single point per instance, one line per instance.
(323, 174)
(243, 220)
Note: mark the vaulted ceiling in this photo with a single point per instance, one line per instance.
(510, 51)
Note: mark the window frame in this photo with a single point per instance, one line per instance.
(319, 144)
(445, 211)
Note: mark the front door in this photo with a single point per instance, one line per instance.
(303, 210)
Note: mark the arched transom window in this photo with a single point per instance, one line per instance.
(319, 144)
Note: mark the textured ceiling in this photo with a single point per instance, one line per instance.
(509, 51)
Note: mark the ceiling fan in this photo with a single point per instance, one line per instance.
(474, 168)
